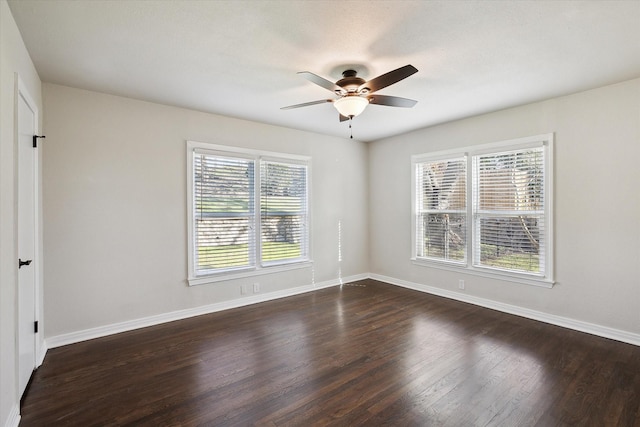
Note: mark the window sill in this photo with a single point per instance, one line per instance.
(542, 282)
(232, 275)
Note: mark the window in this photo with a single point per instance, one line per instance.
(442, 212)
(283, 212)
(486, 209)
(508, 210)
(248, 212)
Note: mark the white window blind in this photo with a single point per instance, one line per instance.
(283, 212)
(509, 210)
(248, 212)
(441, 210)
(224, 213)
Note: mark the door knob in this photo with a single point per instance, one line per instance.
(21, 262)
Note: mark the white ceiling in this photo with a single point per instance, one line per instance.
(240, 58)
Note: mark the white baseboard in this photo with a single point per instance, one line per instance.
(590, 328)
(101, 331)
(41, 353)
(14, 417)
(565, 322)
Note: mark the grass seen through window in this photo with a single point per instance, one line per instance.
(232, 256)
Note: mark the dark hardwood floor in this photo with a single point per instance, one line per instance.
(368, 353)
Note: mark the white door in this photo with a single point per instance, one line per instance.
(27, 235)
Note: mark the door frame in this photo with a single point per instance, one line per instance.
(21, 91)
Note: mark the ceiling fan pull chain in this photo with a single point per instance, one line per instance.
(350, 129)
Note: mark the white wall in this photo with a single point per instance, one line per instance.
(14, 58)
(115, 207)
(597, 204)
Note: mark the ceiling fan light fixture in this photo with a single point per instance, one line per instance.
(351, 106)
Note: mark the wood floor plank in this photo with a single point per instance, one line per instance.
(366, 353)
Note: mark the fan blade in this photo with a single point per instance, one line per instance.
(392, 101)
(322, 82)
(388, 79)
(306, 104)
(343, 118)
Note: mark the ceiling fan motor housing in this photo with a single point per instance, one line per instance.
(350, 82)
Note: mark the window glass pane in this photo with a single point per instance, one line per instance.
(441, 204)
(511, 243)
(223, 243)
(444, 236)
(283, 211)
(511, 181)
(443, 185)
(223, 213)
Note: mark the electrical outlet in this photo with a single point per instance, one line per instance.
(256, 288)
(460, 284)
(244, 289)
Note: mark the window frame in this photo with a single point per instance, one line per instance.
(257, 267)
(546, 279)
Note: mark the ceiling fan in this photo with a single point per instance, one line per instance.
(354, 93)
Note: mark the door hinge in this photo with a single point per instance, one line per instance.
(35, 327)
(22, 263)
(35, 140)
